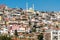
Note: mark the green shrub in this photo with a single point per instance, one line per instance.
(40, 37)
(5, 37)
(16, 34)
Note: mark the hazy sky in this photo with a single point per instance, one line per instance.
(44, 5)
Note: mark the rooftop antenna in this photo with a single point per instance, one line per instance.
(26, 6)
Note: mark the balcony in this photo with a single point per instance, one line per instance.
(24, 17)
(2, 22)
(1, 13)
(12, 22)
(21, 29)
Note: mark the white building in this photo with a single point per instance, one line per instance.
(52, 35)
(55, 35)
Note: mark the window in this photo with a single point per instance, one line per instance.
(55, 32)
(55, 38)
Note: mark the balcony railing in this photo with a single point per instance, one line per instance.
(2, 22)
(13, 21)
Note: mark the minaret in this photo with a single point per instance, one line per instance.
(33, 6)
(26, 6)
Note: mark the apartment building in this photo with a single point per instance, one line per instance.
(27, 22)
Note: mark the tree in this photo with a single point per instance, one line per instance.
(40, 37)
(42, 12)
(29, 23)
(5, 37)
(33, 29)
(52, 12)
(16, 34)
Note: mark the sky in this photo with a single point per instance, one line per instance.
(43, 5)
